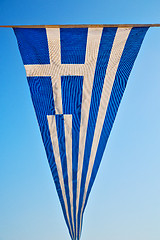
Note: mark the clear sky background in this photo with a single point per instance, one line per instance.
(125, 200)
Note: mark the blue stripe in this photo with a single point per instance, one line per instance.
(42, 97)
(73, 45)
(33, 45)
(71, 87)
(62, 150)
(106, 43)
(75, 143)
(129, 55)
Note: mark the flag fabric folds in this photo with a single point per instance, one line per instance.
(77, 77)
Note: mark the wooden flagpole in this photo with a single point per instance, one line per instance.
(81, 26)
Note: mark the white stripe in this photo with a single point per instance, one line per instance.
(68, 142)
(38, 70)
(93, 42)
(45, 70)
(115, 56)
(53, 36)
(54, 139)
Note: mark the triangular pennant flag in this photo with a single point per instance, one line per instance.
(77, 77)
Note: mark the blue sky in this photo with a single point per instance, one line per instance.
(125, 200)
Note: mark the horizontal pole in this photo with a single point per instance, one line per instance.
(81, 26)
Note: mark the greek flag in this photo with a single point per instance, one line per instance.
(77, 77)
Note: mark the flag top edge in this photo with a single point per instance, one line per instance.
(81, 26)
